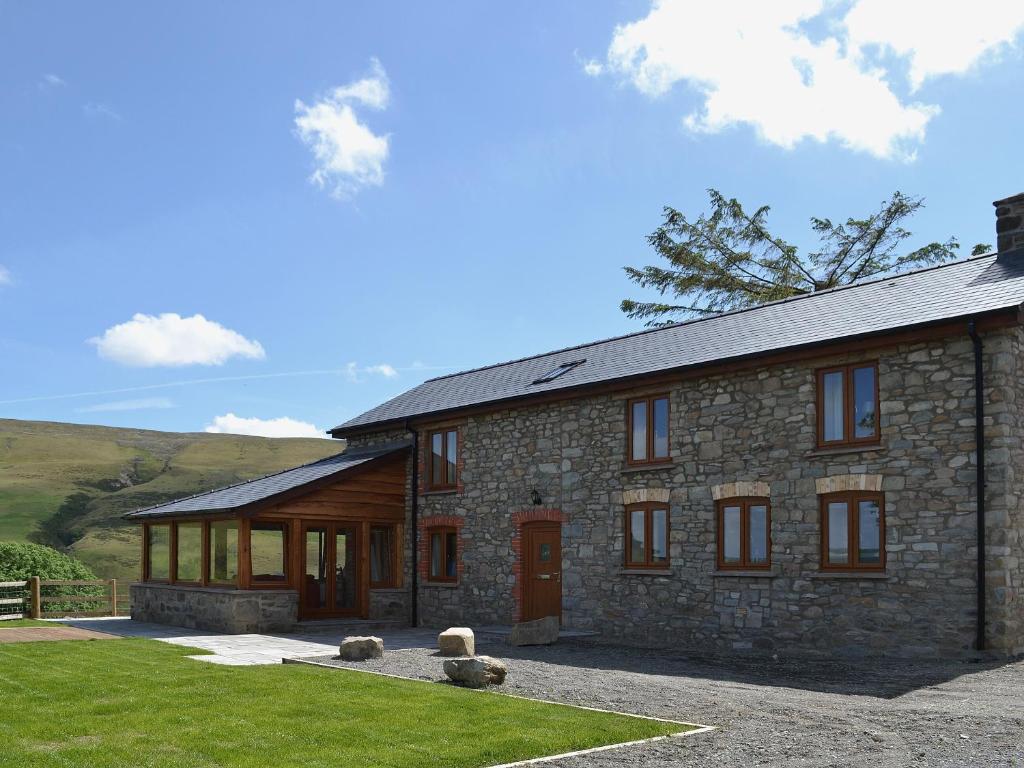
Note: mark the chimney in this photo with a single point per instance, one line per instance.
(1009, 223)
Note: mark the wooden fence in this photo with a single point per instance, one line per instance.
(57, 598)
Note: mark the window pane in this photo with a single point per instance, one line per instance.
(838, 533)
(758, 534)
(661, 428)
(346, 569)
(436, 458)
(869, 529)
(435, 554)
(381, 554)
(316, 568)
(267, 545)
(639, 427)
(224, 550)
(450, 559)
(659, 536)
(832, 405)
(453, 453)
(190, 551)
(636, 536)
(544, 553)
(159, 552)
(731, 534)
(864, 416)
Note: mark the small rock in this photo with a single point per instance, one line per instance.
(457, 641)
(476, 671)
(361, 648)
(540, 632)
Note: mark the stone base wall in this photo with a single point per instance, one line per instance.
(235, 611)
(390, 604)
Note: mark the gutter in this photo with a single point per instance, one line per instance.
(979, 441)
(414, 533)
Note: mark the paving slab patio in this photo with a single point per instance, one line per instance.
(249, 649)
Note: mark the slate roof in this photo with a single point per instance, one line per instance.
(234, 497)
(956, 290)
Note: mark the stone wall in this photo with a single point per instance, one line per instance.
(236, 611)
(756, 429)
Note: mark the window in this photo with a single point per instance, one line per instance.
(444, 457)
(853, 531)
(268, 551)
(223, 545)
(744, 533)
(648, 430)
(848, 405)
(188, 558)
(383, 556)
(158, 552)
(558, 370)
(443, 554)
(647, 536)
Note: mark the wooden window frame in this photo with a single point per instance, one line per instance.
(275, 581)
(744, 503)
(202, 553)
(444, 531)
(208, 579)
(429, 448)
(849, 406)
(146, 576)
(647, 507)
(395, 560)
(649, 400)
(852, 499)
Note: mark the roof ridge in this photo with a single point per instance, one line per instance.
(692, 321)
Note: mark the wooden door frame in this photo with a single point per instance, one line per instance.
(358, 529)
(528, 530)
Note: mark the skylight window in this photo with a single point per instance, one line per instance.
(557, 371)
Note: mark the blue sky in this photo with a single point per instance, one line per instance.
(355, 197)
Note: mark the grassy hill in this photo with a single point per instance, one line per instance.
(67, 485)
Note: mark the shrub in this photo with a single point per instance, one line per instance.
(22, 561)
(19, 562)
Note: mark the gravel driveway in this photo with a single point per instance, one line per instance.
(789, 713)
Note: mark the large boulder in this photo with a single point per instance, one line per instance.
(456, 641)
(476, 671)
(361, 648)
(540, 632)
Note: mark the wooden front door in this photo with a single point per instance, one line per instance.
(542, 572)
(332, 579)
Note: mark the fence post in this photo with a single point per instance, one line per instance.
(113, 597)
(36, 597)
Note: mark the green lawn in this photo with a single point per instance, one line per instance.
(139, 702)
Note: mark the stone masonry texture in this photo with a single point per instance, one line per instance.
(756, 429)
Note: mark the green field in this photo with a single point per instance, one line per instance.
(108, 703)
(67, 485)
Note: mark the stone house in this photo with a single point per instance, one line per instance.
(801, 477)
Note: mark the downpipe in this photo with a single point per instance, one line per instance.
(414, 533)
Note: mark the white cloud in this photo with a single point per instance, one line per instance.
(172, 340)
(229, 423)
(96, 110)
(348, 154)
(5, 275)
(593, 67)
(937, 38)
(355, 372)
(144, 404)
(755, 63)
(50, 80)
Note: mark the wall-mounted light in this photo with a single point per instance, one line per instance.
(535, 497)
